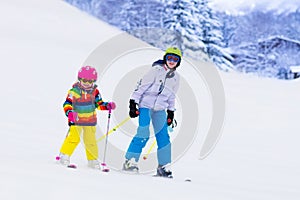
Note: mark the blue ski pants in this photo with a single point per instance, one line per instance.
(159, 122)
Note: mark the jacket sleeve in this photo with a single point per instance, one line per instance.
(171, 100)
(144, 83)
(68, 104)
(99, 103)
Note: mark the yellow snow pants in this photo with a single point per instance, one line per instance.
(89, 139)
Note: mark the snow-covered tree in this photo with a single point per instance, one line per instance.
(108, 11)
(133, 15)
(212, 36)
(187, 24)
(141, 19)
(179, 18)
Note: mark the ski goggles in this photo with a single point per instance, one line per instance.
(86, 81)
(172, 57)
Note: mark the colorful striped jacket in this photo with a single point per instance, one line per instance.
(84, 102)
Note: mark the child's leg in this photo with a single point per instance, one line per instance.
(90, 142)
(159, 121)
(71, 141)
(142, 136)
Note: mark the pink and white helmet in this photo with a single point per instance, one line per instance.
(88, 73)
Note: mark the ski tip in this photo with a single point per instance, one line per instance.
(104, 167)
(105, 170)
(73, 166)
(57, 158)
(145, 157)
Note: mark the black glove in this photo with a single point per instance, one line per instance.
(170, 117)
(133, 111)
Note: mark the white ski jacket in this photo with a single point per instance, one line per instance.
(157, 89)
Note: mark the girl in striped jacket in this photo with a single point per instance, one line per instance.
(80, 107)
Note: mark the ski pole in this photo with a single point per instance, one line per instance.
(150, 149)
(113, 129)
(105, 169)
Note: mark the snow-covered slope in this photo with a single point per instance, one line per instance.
(43, 43)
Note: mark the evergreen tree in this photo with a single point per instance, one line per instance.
(108, 11)
(179, 18)
(187, 24)
(212, 36)
(228, 28)
(134, 15)
(143, 20)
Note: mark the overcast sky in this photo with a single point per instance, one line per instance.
(234, 6)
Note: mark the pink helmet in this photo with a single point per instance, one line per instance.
(88, 73)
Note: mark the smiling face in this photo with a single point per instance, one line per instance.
(171, 64)
(86, 83)
(172, 60)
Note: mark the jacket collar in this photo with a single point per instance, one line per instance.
(88, 90)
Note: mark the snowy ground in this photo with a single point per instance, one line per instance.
(43, 43)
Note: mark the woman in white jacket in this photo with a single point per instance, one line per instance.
(154, 99)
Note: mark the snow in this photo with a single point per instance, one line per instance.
(295, 69)
(43, 43)
(243, 6)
